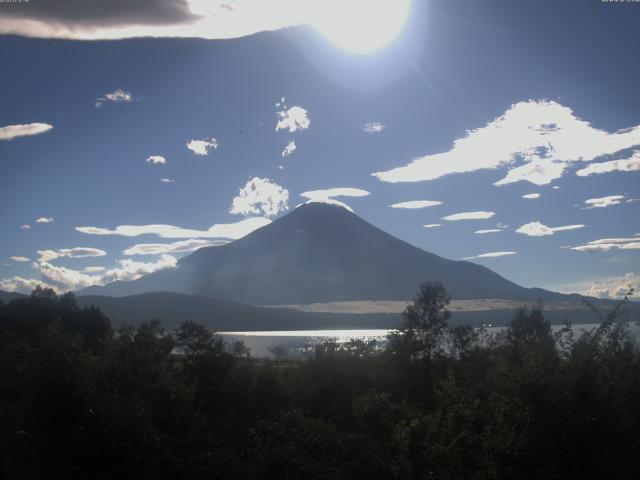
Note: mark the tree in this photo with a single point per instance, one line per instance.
(278, 351)
(529, 327)
(425, 321)
(43, 293)
(195, 340)
(463, 338)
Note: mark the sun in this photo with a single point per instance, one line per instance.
(359, 26)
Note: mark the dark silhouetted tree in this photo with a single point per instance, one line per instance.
(425, 322)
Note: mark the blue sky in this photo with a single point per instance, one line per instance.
(470, 93)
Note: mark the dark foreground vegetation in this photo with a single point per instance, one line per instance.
(80, 400)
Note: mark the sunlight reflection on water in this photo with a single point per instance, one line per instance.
(297, 341)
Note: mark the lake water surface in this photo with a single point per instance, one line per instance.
(296, 342)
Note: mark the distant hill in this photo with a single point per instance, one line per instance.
(173, 308)
(322, 253)
(220, 315)
(8, 296)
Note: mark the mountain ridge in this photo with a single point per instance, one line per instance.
(322, 253)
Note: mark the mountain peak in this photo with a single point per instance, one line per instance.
(321, 252)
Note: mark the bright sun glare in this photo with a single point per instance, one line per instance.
(360, 26)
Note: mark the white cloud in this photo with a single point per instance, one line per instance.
(25, 227)
(614, 287)
(175, 247)
(631, 164)
(68, 278)
(117, 96)
(538, 140)
(328, 196)
(373, 127)
(479, 215)
(432, 225)
(289, 149)
(537, 229)
(555, 187)
(260, 196)
(489, 230)
(167, 180)
(23, 285)
(20, 259)
(62, 278)
(231, 231)
(416, 204)
(131, 270)
(202, 147)
(13, 131)
(292, 119)
(44, 220)
(606, 244)
(604, 202)
(540, 171)
(531, 196)
(127, 270)
(76, 252)
(490, 255)
(156, 160)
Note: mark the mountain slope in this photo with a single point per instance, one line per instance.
(6, 297)
(174, 308)
(321, 253)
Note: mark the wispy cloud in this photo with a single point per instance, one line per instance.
(479, 215)
(603, 202)
(631, 164)
(289, 149)
(44, 220)
(156, 160)
(432, 225)
(13, 131)
(606, 244)
(490, 255)
(373, 127)
(117, 96)
(76, 252)
(93, 269)
(167, 180)
(175, 247)
(260, 196)
(416, 204)
(328, 195)
(489, 230)
(202, 147)
(537, 229)
(20, 259)
(291, 119)
(230, 231)
(537, 140)
(531, 196)
(25, 227)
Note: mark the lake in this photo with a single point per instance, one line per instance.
(295, 342)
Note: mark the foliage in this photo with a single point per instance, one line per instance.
(79, 399)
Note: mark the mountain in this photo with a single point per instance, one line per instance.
(321, 253)
(221, 315)
(6, 297)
